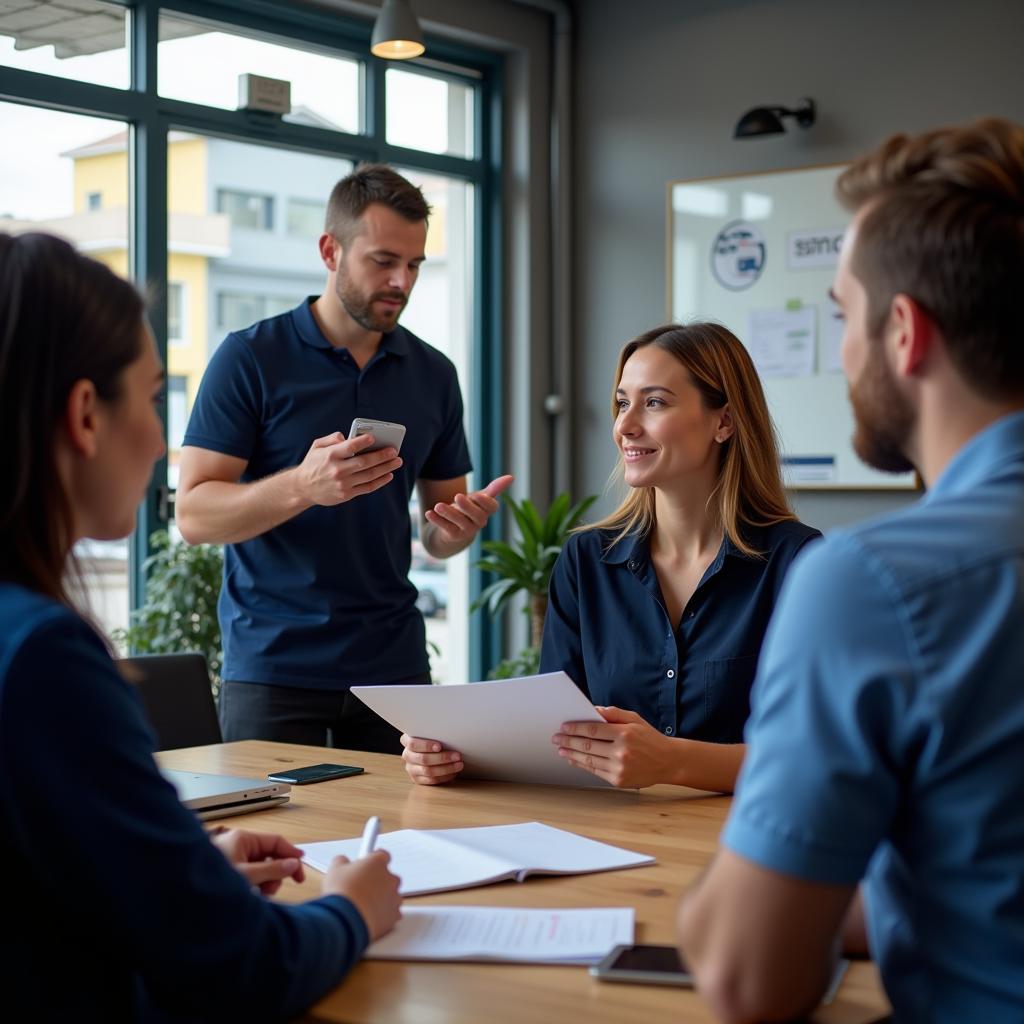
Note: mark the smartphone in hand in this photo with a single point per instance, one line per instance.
(385, 434)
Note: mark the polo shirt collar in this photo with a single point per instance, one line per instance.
(395, 342)
(996, 446)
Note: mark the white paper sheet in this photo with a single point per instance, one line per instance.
(502, 728)
(782, 341)
(832, 328)
(523, 935)
(459, 858)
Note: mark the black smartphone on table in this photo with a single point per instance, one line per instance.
(314, 773)
(662, 965)
(647, 965)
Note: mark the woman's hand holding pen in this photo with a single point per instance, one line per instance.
(367, 884)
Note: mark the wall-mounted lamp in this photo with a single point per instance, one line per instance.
(396, 32)
(768, 120)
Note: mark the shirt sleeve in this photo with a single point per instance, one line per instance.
(449, 455)
(98, 823)
(820, 786)
(562, 646)
(228, 410)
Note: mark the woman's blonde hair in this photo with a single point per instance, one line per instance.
(749, 490)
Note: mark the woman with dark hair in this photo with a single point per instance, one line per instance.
(658, 611)
(121, 907)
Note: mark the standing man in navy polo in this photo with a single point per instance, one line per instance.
(316, 596)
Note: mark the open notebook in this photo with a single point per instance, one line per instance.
(460, 858)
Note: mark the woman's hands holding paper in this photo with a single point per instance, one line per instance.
(623, 750)
(428, 763)
(265, 860)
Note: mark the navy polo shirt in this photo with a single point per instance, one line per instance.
(323, 600)
(608, 629)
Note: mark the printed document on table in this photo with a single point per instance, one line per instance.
(515, 934)
(460, 858)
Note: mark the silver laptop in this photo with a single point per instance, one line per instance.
(217, 796)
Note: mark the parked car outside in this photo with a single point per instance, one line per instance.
(430, 577)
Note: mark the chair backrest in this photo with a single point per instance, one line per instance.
(175, 691)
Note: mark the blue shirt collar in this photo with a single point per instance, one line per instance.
(980, 458)
(395, 342)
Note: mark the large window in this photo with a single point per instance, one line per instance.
(245, 196)
(47, 183)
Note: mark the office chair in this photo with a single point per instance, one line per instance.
(175, 691)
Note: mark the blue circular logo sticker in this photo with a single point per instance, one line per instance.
(737, 255)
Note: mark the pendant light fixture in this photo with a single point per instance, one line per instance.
(396, 32)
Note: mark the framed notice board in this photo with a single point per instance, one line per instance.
(757, 252)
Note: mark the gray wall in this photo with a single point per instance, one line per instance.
(659, 86)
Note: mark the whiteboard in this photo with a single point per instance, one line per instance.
(757, 252)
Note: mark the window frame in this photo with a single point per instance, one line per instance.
(151, 117)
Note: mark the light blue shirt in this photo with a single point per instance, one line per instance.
(887, 735)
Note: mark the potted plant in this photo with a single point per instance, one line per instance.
(180, 611)
(525, 566)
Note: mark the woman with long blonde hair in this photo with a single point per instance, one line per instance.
(658, 611)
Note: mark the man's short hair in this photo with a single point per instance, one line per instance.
(944, 224)
(371, 183)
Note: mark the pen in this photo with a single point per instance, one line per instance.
(369, 836)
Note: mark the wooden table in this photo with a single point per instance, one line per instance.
(678, 826)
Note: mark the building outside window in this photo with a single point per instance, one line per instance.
(306, 217)
(247, 209)
(176, 329)
(177, 410)
(237, 310)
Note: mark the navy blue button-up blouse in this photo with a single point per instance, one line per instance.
(608, 629)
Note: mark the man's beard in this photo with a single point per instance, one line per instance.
(360, 307)
(884, 418)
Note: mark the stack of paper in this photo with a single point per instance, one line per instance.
(459, 858)
(553, 936)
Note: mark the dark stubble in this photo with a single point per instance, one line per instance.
(359, 306)
(884, 417)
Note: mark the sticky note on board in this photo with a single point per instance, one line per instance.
(792, 305)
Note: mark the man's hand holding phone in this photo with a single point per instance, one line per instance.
(336, 470)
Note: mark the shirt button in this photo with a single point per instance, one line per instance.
(668, 730)
(690, 615)
(633, 564)
(671, 673)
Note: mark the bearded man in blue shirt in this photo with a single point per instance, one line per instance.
(881, 803)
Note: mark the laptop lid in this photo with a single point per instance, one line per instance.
(216, 796)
